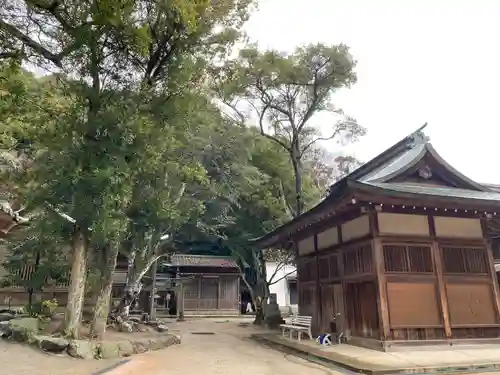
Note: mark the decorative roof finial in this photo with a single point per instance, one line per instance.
(418, 137)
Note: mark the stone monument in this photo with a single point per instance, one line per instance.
(272, 318)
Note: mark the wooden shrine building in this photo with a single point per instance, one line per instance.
(214, 285)
(401, 248)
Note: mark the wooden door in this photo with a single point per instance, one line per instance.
(209, 294)
(327, 308)
(228, 296)
(338, 298)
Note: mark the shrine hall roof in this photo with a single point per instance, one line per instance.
(387, 174)
(441, 191)
(190, 260)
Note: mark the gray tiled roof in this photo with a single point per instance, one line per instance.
(440, 191)
(189, 260)
(400, 161)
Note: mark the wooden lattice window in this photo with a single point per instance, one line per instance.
(324, 268)
(191, 289)
(306, 270)
(334, 266)
(408, 258)
(358, 260)
(306, 297)
(465, 260)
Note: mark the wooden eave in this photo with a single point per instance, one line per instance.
(338, 192)
(376, 194)
(327, 208)
(383, 179)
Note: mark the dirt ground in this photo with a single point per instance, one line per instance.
(223, 348)
(227, 351)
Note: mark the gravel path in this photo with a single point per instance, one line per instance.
(227, 351)
(16, 359)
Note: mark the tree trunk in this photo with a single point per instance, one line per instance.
(128, 299)
(261, 305)
(133, 288)
(102, 304)
(297, 170)
(76, 289)
(262, 289)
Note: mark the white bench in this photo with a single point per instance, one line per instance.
(298, 324)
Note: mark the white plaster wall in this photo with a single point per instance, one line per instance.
(281, 286)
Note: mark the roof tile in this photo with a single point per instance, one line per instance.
(190, 260)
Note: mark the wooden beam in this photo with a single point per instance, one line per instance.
(377, 195)
(438, 269)
(382, 305)
(373, 223)
(340, 265)
(319, 313)
(218, 292)
(492, 271)
(199, 291)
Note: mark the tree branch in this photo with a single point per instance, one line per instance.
(316, 96)
(238, 113)
(268, 136)
(37, 47)
(11, 55)
(283, 277)
(278, 268)
(308, 145)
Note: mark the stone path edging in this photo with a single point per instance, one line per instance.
(357, 366)
(111, 368)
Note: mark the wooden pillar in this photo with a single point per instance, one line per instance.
(198, 302)
(382, 305)
(491, 268)
(438, 267)
(180, 305)
(344, 320)
(379, 270)
(238, 295)
(152, 296)
(218, 293)
(319, 304)
(297, 262)
(494, 279)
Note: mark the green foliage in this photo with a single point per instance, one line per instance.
(127, 141)
(43, 309)
(40, 246)
(284, 92)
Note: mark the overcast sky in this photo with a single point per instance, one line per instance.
(435, 61)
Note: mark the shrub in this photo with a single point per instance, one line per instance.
(45, 308)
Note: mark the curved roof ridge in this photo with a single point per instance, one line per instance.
(454, 171)
(397, 165)
(413, 139)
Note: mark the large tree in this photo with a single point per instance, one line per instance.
(284, 92)
(114, 58)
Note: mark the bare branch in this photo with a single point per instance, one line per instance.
(308, 145)
(37, 47)
(238, 113)
(268, 136)
(283, 277)
(278, 268)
